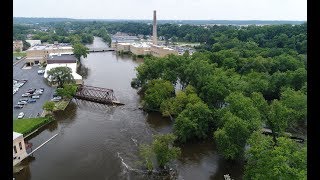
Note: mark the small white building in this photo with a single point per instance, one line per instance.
(73, 66)
(33, 42)
(19, 148)
(63, 60)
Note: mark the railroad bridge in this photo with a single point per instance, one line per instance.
(100, 49)
(96, 94)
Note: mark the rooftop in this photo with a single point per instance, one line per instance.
(124, 43)
(16, 135)
(50, 46)
(63, 57)
(141, 45)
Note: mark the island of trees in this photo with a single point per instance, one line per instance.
(239, 82)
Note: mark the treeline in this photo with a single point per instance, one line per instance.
(287, 36)
(230, 93)
(65, 32)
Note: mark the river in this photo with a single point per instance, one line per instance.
(101, 142)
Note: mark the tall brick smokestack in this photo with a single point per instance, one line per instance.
(154, 34)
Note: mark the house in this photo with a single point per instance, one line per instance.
(19, 148)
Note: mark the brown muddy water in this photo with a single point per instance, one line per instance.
(101, 142)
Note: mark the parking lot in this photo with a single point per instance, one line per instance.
(34, 81)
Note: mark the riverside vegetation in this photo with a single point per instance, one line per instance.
(233, 89)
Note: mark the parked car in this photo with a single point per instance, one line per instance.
(41, 71)
(36, 97)
(42, 89)
(31, 101)
(58, 97)
(38, 91)
(22, 103)
(26, 95)
(18, 106)
(20, 115)
(24, 99)
(18, 58)
(31, 91)
(55, 100)
(14, 91)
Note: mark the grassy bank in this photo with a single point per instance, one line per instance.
(61, 105)
(21, 54)
(25, 126)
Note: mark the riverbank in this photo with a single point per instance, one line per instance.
(27, 126)
(61, 105)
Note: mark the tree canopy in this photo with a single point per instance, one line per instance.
(48, 106)
(60, 75)
(79, 50)
(160, 152)
(287, 160)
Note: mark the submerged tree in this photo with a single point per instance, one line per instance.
(193, 122)
(160, 152)
(286, 160)
(157, 91)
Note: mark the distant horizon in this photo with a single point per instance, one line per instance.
(162, 19)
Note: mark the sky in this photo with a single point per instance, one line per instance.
(166, 9)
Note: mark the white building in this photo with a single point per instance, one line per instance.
(73, 66)
(19, 148)
(33, 42)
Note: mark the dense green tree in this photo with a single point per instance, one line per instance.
(147, 154)
(244, 108)
(195, 121)
(48, 106)
(287, 160)
(232, 138)
(157, 92)
(68, 90)
(79, 50)
(161, 149)
(256, 82)
(175, 105)
(151, 69)
(60, 75)
(278, 118)
(297, 101)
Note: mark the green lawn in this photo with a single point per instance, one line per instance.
(25, 126)
(21, 54)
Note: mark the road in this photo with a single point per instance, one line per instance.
(34, 81)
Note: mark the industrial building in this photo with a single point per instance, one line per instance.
(39, 53)
(144, 48)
